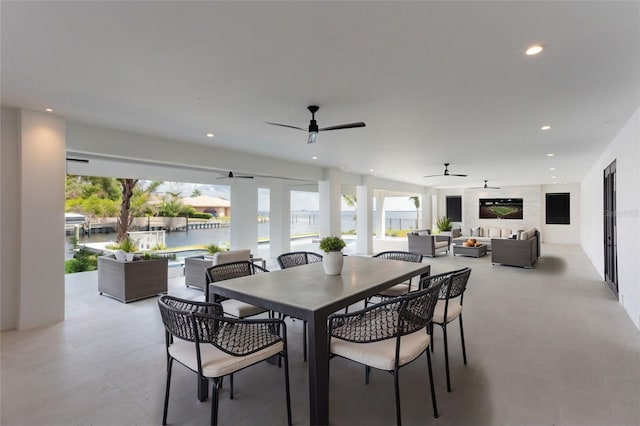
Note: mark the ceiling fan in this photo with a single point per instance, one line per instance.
(313, 125)
(446, 172)
(230, 175)
(485, 186)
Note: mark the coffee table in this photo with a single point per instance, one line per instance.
(478, 251)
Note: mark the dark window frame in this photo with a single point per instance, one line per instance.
(459, 207)
(558, 208)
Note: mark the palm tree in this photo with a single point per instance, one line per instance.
(196, 192)
(124, 221)
(416, 202)
(351, 201)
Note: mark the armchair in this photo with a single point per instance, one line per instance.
(428, 245)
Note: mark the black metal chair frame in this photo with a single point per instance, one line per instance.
(405, 256)
(454, 284)
(227, 271)
(291, 260)
(203, 323)
(297, 258)
(406, 314)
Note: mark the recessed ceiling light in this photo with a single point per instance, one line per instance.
(553, 177)
(554, 182)
(48, 109)
(550, 154)
(546, 127)
(210, 135)
(552, 168)
(371, 170)
(534, 50)
(314, 158)
(341, 167)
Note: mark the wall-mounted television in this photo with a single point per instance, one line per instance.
(501, 208)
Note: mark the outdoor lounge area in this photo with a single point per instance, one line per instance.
(105, 364)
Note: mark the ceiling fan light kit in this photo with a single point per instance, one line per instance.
(313, 125)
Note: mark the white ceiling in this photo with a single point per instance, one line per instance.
(434, 81)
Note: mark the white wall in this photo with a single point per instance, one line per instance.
(531, 198)
(9, 217)
(562, 234)
(624, 149)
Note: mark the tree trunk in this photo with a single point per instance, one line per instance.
(124, 221)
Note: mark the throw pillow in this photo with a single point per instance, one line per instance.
(475, 232)
(466, 232)
(494, 233)
(505, 233)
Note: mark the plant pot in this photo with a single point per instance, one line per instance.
(121, 255)
(332, 262)
(129, 256)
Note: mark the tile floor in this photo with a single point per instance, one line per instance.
(545, 346)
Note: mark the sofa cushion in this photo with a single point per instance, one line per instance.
(505, 233)
(465, 232)
(531, 232)
(494, 232)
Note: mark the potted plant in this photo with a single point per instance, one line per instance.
(332, 261)
(443, 224)
(126, 249)
(214, 248)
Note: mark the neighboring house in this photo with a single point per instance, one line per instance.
(219, 207)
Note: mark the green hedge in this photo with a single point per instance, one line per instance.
(83, 260)
(199, 215)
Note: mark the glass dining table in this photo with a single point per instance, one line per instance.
(306, 292)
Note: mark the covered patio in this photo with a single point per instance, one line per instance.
(105, 363)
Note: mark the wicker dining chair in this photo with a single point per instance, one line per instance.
(227, 271)
(402, 288)
(298, 258)
(387, 336)
(449, 308)
(199, 337)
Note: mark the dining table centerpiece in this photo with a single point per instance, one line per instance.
(333, 260)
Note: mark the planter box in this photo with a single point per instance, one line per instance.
(130, 281)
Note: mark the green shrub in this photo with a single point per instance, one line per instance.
(214, 248)
(200, 215)
(83, 260)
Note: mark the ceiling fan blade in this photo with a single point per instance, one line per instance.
(430, 176)
(343, 126)
(285, 125)
(453, 174)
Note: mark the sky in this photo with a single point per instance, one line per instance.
(299, 200)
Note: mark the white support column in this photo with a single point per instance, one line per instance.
(382, 219)
(42, 173)
(280, 218)
(244, 215)
(364, 226)
(330, 192)
(425, 222)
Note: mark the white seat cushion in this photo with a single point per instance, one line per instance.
(216, 363)
(396, 290)
(382, 354)
(452, 312)
(440, 244)
(240, 309)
